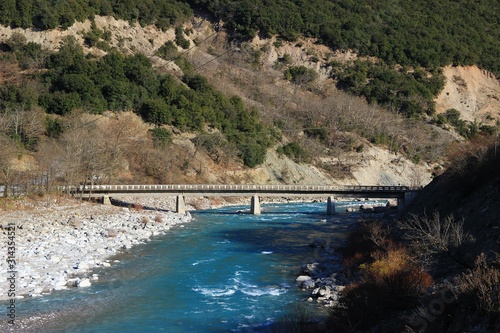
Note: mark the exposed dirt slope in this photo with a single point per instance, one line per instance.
(472, 91)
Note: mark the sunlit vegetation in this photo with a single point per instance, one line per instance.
(294, 151)
(410, 92)
(71, 81)
(417, 33)
(410, 39)
(46, 14)
(389, 278)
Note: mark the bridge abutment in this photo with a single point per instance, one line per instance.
(330, 206)
(180, 205)
(403, 202)
(255, 205)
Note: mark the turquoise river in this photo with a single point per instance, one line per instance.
(226, 271)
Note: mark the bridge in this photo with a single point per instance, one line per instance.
(403, 194)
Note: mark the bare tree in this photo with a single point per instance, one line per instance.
(22, 123)
(434, 235)
(9, 152)
(50, 163)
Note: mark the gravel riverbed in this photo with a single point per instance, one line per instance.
(55, 246)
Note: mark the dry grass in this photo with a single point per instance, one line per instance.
(389, 278)
(397, 273)
(481, 285)
(144, 221)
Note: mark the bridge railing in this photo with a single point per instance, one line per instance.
(237, 188)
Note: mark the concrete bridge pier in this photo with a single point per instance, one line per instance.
(180, 205)
(330, 206)
(255, 205)
(403, 202)
(106, 200)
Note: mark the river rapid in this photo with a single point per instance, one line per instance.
(226, 271)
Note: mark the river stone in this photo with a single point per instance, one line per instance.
(308, 284)
(84, 283)
(303, 278)
(55, 259)
(324, 291)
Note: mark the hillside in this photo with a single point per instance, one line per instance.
(472, 91)
(348, 140)
(435, 268)
(468, 191)
(355, 167)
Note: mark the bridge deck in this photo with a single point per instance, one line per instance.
(242, 190)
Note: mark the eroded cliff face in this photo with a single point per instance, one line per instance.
(472, 91)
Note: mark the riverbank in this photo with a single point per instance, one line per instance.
(57, 242)
(324, 279)
(52, 229)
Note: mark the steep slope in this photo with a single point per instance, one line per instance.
(373, 166)
(472, 91)
(470, 192)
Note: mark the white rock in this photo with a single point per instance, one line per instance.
(84, 283)
(71, 240)
(72, 282)
(55, 259)
(303, 278)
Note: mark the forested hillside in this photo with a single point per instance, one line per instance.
(419, 33)
(431, 34)
(421, 36)
(47, 14)
(399, 50)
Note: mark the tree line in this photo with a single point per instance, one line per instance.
(51, 14)
(418, 33)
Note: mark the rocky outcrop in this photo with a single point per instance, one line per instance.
(323, 278)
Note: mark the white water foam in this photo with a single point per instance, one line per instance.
(272, 291)
(214, 292)
(202, 261)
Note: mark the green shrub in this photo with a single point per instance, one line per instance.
(252, 154)
(168, 51)
(53, 127)
(180, 39)
(294, 151)
(300, 74)
(161, 136)
(318, 133)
